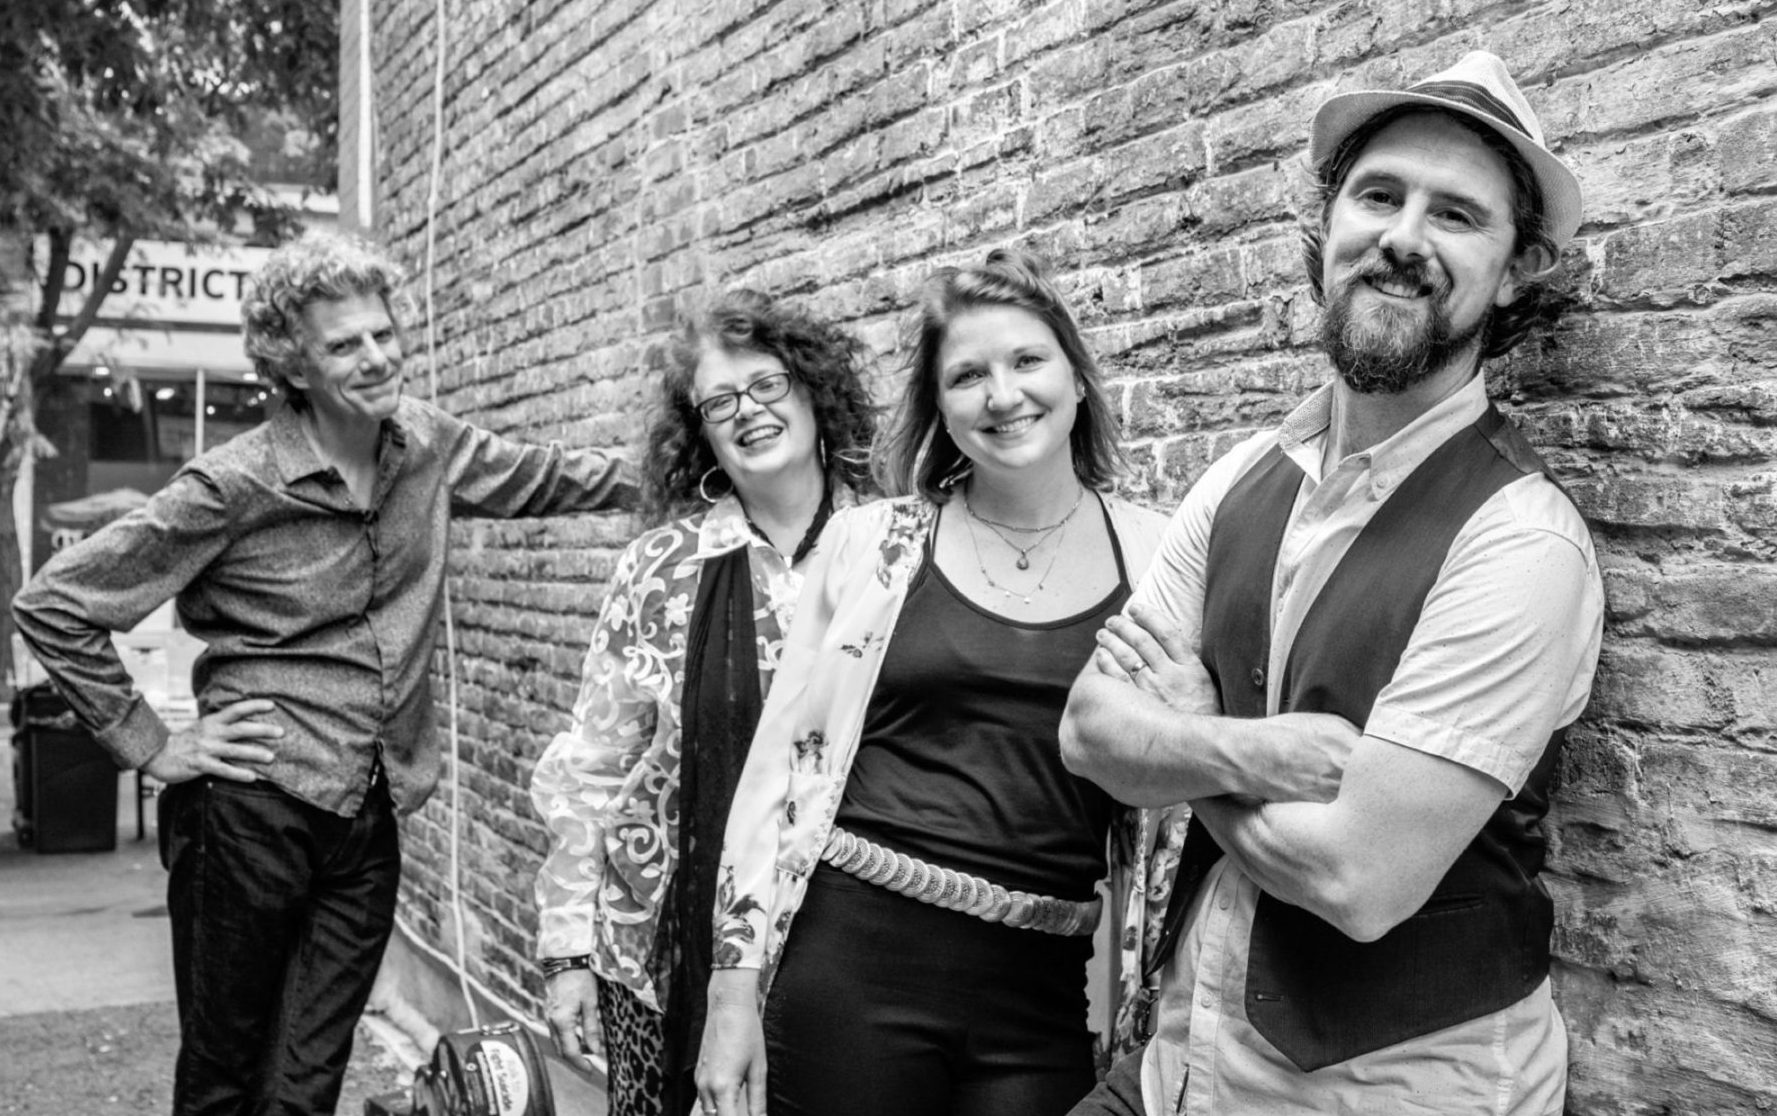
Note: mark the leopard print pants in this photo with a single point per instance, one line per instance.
(634, 1051)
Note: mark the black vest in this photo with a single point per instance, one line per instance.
(1481, 942)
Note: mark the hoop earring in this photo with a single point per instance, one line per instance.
(958, 473)
(703, 485)
(820, 452)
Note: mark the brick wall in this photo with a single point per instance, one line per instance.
(607, 162)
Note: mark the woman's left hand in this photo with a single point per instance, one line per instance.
(1143, 647)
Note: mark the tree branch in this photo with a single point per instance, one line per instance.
(61, 246)
(101, 288)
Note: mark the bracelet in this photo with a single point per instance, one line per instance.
(555, 966)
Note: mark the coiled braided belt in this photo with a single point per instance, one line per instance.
(958, 891)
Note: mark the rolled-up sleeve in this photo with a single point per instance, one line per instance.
(1506, 643)
(109, 583)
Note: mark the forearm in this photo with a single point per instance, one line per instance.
(1371, 857)
(79, 655)
(566, 890)
(1146, 753)
(1293, 852)
(572, 789)
(497, 477)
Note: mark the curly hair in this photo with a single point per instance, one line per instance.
(917, 454)
(826, 361)
(1506, 326)
(319, 265)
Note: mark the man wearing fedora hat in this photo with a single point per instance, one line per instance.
(1355, 659)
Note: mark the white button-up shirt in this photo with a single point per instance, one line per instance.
(1503, 654)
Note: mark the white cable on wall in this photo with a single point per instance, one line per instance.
(468, 986)
(450, 629)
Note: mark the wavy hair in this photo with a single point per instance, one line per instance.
(320, 265)
(917, 454)
(1506, 325)
(825, 360)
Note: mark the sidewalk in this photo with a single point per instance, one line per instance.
(87, 1019)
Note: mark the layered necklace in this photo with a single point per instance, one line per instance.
(1042, 534)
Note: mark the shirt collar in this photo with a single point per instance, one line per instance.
(725, 525)
(295, 455)
(1304, 432)
(724, 528)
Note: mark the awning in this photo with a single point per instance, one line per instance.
(150, 350)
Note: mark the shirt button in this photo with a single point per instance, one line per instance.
(1259, 677)
(1207, 1000)
(1224, 903)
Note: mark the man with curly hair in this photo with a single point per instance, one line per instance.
(1352, 920)
(309, 555)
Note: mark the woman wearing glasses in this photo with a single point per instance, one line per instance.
(909, 874)
(762, 432)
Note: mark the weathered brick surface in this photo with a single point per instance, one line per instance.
(606, 163)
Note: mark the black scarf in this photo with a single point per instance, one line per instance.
(719, 710)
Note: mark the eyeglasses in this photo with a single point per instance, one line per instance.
(766, 389)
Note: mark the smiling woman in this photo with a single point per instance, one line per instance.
(904, 810)
(760, 434)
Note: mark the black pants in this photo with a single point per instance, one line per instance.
(1119, 1094)
(884, 1006)
(280, 914)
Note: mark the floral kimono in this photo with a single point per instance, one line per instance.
(812, 723)
(608, 787)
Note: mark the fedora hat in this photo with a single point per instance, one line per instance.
(1477, 87)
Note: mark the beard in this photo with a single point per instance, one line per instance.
(1388, 349)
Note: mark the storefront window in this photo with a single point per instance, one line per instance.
(144, 429)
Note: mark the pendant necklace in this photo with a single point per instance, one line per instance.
(1042, 533)
(981, 564)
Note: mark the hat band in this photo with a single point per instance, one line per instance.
(1476, 97)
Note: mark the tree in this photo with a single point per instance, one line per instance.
(123, 120)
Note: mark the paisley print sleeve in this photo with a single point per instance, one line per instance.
(586, 772)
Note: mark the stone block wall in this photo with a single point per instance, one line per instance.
(606, 164)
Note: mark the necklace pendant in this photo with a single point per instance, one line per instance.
(1023, 562)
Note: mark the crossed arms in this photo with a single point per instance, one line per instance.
(1355, 824)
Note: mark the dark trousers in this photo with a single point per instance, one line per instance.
(280, 914)
(1119, 1094)
(885, 1006)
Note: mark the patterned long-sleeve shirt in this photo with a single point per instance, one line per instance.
(608, 787)
(327, 608)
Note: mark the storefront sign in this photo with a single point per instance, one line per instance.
(162, 283)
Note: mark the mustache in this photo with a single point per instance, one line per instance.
(1383, 267)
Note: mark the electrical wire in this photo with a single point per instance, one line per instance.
(450, 629)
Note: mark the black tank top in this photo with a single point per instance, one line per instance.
(960, 761)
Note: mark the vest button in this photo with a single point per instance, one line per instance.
(1259, 677)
